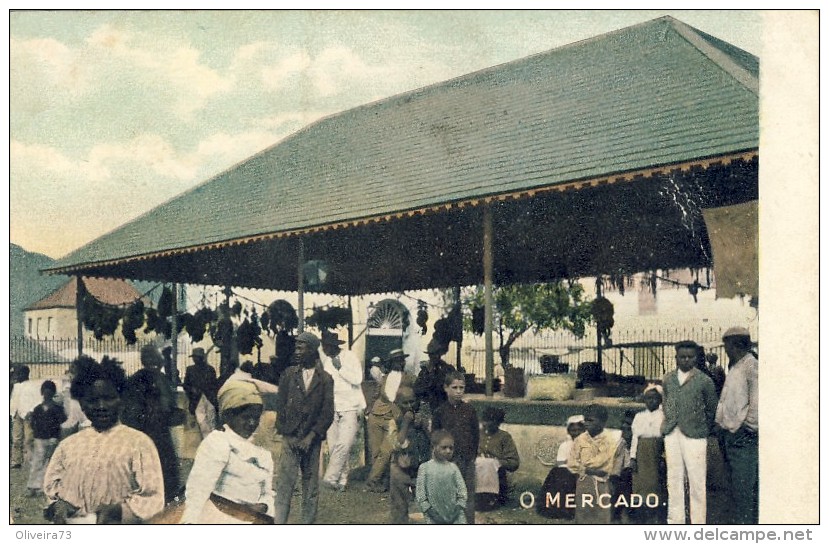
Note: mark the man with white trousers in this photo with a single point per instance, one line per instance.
(349, 403)
(690, 405)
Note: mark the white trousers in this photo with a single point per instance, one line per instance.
(686, 456)
(340, 438)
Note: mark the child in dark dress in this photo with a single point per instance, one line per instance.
(45, 419)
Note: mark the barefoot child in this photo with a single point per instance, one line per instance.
(441, 491)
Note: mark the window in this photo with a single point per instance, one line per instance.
(49, 324)
(30, 326)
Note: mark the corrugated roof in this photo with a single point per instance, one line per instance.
(109, 291)
(659, 93)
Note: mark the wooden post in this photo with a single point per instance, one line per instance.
(80, 291)
(174, 336)
(457, 293)
(350, 323)
(300, 287)
(488, 266)
(598, 329)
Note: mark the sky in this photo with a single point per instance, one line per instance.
(115, 112)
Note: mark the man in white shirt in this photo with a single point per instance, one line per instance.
(737, 422)
(349, 403)
(25, 397)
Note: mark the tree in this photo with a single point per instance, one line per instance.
(522, 307)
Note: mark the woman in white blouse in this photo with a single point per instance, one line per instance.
(232, 479)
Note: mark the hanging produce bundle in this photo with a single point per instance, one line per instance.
(478, 320)
(221, 331)
(248, 335)
(99, 318)
(133, 319)
(602, 311)
(165, 303)
(281, 317)
(422, 317)
(330, 317)
(199, 323)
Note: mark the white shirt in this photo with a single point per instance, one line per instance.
(564, 452)
(348, 395)
(739, 398)
(230, 466)
(646, 424)
(25, 397)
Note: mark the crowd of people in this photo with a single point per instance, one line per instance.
(103, 452)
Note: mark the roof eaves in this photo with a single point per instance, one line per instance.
(574, 185)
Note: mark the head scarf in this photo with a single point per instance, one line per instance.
(237, 393)
(654, 386)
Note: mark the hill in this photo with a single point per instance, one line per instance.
(27, 284)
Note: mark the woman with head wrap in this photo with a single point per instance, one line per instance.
(232, 479)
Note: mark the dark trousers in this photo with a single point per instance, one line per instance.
(163, 441)
(467, 468)
(291, 463)
(400, 494)
(741, 454)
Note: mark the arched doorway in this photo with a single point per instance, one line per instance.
(386, 324)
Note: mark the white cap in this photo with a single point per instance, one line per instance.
(572, 420)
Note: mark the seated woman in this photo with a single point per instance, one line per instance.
(560, 482)
(231, 481)
(107, 473)
(497, 456)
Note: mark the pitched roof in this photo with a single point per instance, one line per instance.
(109, 291)
(655, 94)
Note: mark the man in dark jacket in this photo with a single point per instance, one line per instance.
(201, 387)
(305, 410)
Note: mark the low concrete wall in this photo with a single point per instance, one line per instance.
(539, 427)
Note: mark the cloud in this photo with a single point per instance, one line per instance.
(175, 67)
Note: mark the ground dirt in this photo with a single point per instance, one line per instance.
(353, 506)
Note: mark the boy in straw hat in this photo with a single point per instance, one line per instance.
(232, 479)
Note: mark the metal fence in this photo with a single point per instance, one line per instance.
(647, 352)
(51, 357)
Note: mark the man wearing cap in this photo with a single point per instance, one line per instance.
(429, 384)
(349, 402)
(737, 421)
(384, 410)
(305, 410)
(201, 386)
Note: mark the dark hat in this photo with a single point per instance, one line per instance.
(331, 339)
(310, 339)
(397, 354)
(197, 352)
(737, 331)
(435, 347)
